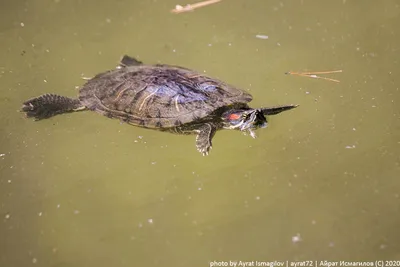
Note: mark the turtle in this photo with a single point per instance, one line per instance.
(163, 97)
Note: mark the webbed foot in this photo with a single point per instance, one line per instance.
(48, 105)
(203, 140)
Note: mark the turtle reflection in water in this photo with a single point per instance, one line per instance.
(163, 97)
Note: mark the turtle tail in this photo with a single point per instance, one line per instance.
(48, 105)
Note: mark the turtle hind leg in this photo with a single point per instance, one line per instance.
(48, 105)
(127, 61)
(205, 133)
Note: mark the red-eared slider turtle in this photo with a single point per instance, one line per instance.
(163, 97)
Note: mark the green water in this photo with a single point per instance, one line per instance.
(320, 183)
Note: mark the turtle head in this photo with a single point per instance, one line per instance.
(248, 119)
(244, 120)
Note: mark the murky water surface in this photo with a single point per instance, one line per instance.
(320, 183)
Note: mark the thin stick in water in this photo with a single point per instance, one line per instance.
(313, 74)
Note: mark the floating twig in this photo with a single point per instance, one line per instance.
(314, 74)
(262, 36)
(190, 7)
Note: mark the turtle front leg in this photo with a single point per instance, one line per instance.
(205, 133)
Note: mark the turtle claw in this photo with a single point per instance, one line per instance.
(252, 133)
(204, 150)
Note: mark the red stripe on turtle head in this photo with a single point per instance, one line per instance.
(234, 116)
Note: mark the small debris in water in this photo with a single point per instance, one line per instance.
(382, 246)
(34, 260)
(191, 7)
(108, 20)
(76, 211)
(150, 221)
(296, 238)
(7, 216)
(2, 155)
(40, 214)
(199, 189)
(307, 93)
(58, 206)
(45, 80)
(313, 222)
(9, 181)
(153, 163)
(257, 198)
(140, 137)
(140, 225)
(354, 129)
(350, 147)
(261, 36)
(22, 24)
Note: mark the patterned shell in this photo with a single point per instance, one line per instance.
(158, 96)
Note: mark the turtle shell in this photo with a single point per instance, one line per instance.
(158, 96)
